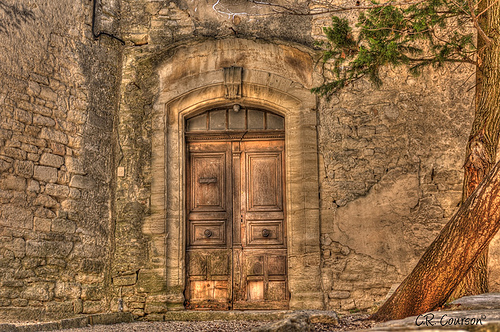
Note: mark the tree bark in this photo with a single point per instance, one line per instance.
(483, 140)
(451, 255)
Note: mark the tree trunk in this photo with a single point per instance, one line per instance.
(483, 140)
(451, 255)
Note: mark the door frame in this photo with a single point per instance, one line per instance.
(267, 84)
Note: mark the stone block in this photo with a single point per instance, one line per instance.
(339, 295)
(92, 293)
(56, 190)
(136, 305)
(18, 303)
(44, 173)
(155, 307)
(60, 307)
(8, 328)
(75, 193)
(17, 246)
(45, 200)
(78, 306)
(33, 157)
(150, 281)
(5, 196)
(74, 165)
(43, 121)
(24, 168)
(92, 266)
(74, 323)
(54, 135)
(61, 225)
(49, 159)
(125, 280)
(93, 307)
(111, 318)
(57, 148)
(8, 291)
(47, 271)
(23, 116)
(58, 249)
(42, 224)
(81, 182)
(156, 317)
(30, 148)
(12, 182)
(75, 142)
(39, 291)
(88, 250)
(4, 165)
(16, 216)
(46, 93)
(63, 177)
(138, 312)
(13, 143)
(39, 79)
(15, 153)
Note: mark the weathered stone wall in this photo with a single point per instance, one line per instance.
(390, 160)
(392, 176)
(75, 238)
(58, 93)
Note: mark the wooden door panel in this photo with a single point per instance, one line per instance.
(264, 182)
(207, 233)
(208, 256)
(276, 291)
(276, 265)
(264, 280)
(209, 279)
(236, 234)
(265, 233)
(208, 177)
(254, 265)
(196, 265)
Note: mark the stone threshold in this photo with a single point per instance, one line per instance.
(69, 323)
(206, 315)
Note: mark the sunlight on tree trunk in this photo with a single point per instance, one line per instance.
(450, 256)
(483, 141)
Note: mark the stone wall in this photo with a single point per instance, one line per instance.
(57, 102)
(392, 177)
(76, 238)
(390, 160)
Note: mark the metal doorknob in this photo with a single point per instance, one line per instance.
(208, 233)
(266, 232)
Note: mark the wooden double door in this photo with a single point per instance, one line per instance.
(236, 231)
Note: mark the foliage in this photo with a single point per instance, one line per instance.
(428, 33)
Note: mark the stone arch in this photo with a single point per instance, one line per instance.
(276, 77)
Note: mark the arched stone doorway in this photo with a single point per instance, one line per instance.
(275, 78)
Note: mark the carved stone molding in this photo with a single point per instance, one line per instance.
(232, 82)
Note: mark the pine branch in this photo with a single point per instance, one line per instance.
(411, 36)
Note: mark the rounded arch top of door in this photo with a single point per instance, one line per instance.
(236, 249)
(235, 121)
